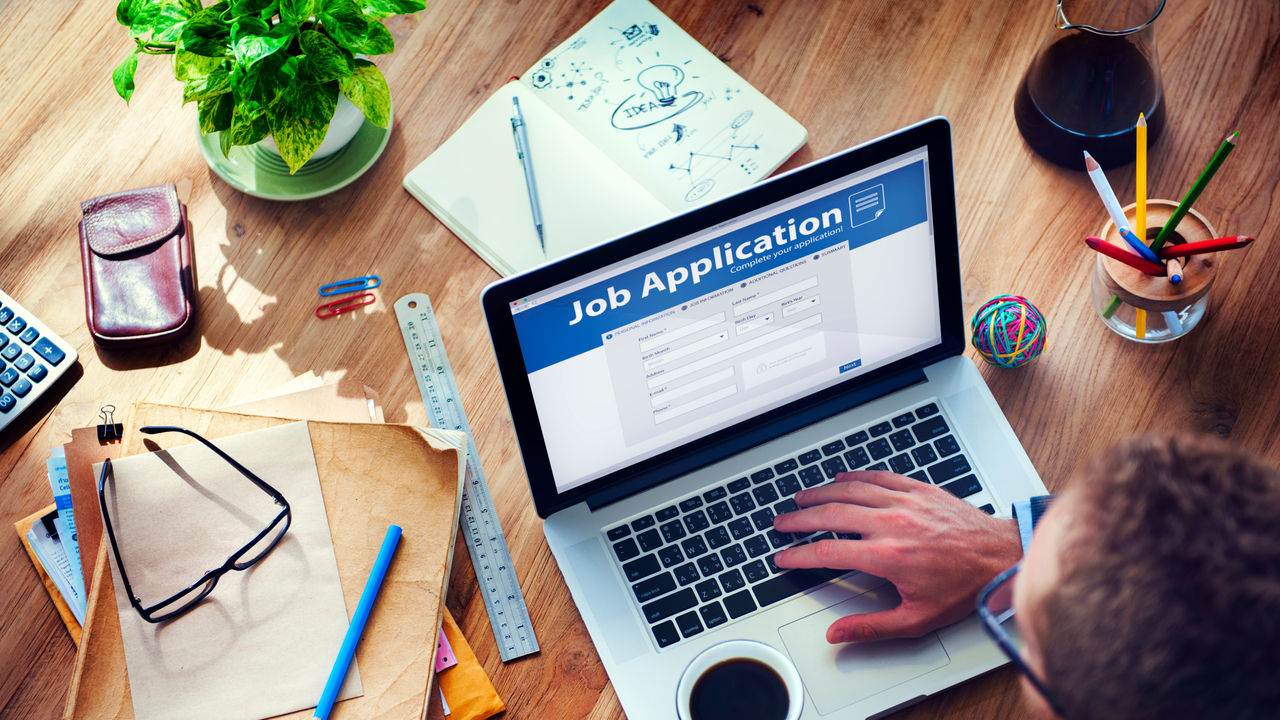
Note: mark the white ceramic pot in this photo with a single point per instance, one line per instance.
(346, 122)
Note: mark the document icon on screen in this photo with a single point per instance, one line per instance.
(866, 205)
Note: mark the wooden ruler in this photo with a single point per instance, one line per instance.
(480, 527)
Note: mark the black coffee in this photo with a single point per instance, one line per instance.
(1089, 91)
(739, 689)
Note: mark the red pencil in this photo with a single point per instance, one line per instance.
(1205, 246)
(1127, 257)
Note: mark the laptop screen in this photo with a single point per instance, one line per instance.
(724, 323)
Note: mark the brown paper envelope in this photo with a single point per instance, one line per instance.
(372, 475)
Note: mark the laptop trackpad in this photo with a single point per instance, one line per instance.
(839, 675)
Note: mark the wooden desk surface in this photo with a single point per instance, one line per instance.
(848, 71)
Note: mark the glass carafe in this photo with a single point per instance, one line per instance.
(1095, 71)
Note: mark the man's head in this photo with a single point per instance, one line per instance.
(1152, 589)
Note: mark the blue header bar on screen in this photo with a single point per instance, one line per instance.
(576, 322)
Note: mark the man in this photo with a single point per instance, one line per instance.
(1152, 589)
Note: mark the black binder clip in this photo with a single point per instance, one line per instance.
(109, 430)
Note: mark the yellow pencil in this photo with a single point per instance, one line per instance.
(1140, 322)
(1140, 180)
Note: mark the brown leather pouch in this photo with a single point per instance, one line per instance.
(139, 277)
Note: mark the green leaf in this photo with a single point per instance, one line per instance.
(387, 8)
(169, 22)
(122, 76)
(344, 23)
(367, 89)
(125, 11)
(251, 8)
(215, 113)
(252, 40)
(207, 87)
(142, 17)
(377, 41)
(249, 124)
(224, 143)
(296, 12)
(206, 33)
(188, 65)
(299, 119)
(260, 83)
(325, 60)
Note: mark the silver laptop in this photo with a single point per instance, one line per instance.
(674, 388)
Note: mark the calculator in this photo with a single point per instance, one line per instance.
(32, 357)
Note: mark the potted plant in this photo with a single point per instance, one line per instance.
(259, 68)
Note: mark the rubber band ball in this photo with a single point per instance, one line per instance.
(1008, 331)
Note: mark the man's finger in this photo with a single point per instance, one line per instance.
(881, 478)
(835, 516)
(863, 555)
(898, 622)
(858, 493)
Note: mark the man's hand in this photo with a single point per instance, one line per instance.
(936, 549)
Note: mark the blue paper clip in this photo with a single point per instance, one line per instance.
(344, 305)
(367, 282)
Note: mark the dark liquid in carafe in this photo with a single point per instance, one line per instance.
(1090, 90)
(739, 689)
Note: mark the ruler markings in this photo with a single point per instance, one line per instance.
(486, 543)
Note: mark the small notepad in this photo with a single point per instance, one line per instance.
(630, 121)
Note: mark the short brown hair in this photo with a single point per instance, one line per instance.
(1169, 601)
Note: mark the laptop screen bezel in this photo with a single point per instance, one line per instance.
(933, 134)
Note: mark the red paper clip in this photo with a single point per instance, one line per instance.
(344, 305)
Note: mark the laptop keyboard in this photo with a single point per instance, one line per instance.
(707, 559)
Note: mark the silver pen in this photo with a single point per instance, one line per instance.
(522, 151)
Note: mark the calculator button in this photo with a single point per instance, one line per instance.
(50, 352)
(4, 340)
(37, 372)
(7, 402)
(6, 314)
(23, 386)
(29, 335)
(25, 362)
(8, 377)
(11, 352)
(16, 325)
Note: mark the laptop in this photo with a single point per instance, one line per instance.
(672, 389)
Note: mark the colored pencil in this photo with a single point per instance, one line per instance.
(1172, 320)
(1140, 322)
(1174, 268)
(1223, 150)
(1205, 246)
(1124, 256)
(1137, 245)
(1105, 192)
(358, 619)
(1140, 180)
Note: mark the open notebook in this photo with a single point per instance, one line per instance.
(629, 121)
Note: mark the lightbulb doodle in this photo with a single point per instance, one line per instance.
(660, 99)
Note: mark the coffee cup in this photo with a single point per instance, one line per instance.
(740, 680)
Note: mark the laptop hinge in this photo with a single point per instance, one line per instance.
(750, 437)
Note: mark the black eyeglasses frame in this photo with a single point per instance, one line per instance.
(153, 613)
(993, 623)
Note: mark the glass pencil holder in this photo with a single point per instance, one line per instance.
(1151, 308)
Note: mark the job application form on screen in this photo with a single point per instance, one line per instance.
(716, 327)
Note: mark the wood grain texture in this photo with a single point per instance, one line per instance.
(848, 70)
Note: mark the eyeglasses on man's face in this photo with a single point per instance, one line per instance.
(252, 552)
(995, 609)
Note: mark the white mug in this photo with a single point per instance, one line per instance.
(736, 650)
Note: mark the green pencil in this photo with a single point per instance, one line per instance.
(1223, 150)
